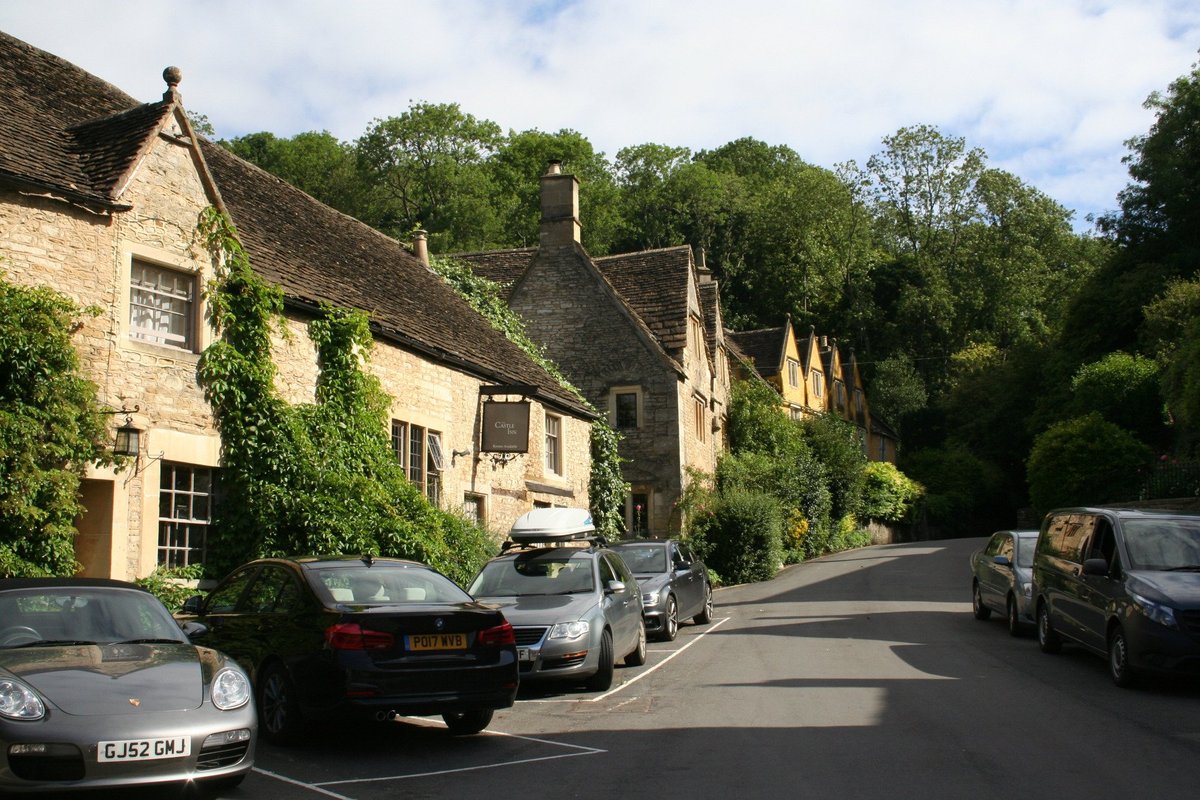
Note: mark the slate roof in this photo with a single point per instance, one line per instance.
(58, 125)
(763, 346)
(504, 267)
(69, 131)
(655, 285)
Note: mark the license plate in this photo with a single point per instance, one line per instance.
(437, 641)
(144, 749)
(526, 654)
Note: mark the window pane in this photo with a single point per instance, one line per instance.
(627, 410)
(161, 305)
(184, 508)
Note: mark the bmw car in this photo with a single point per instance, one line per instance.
(338, 637)
(99, 688)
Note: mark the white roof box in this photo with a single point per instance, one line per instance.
(553, 525)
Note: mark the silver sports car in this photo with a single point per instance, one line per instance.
(99, 687)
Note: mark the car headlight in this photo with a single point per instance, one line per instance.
(650, 599)
(570, 630)
(230, 690)
(1155, 611)
(18, 701)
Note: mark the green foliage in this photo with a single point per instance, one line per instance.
(963, 491)
(741, 537)
(1124, 389)
(318, 478)
(896, 389)
(888, 494)
(1085, 461)
(835, 444)
(173, 585)
(51, 428)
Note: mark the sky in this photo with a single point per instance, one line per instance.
(1051, 90)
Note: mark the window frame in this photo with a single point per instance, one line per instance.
(552, 457)
(138, 287)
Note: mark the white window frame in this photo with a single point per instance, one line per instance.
(180, 529)
(700, 417)
(146, 299)
(793, 372)
(553, 456)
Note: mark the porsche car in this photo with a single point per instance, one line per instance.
(100, 688)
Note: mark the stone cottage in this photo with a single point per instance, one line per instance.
(99, 199)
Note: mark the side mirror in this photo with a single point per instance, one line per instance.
(614, 587)
(194, 630)
(1003, 561)
(193, 604)
(1095, 566)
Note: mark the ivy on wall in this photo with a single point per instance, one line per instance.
(310, 478)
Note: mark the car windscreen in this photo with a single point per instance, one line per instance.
(381, 584)
(1163, 544)
(544, 572)
(643, 558)
(86, 615)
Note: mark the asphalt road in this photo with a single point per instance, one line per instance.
(859, 675)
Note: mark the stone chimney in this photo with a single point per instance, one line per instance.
(702, 266)
(421, 247)
(560, 208)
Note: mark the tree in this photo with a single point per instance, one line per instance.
(1085, 461)
(426, 169)
(316, 163)
(51, 428)
(1124, 389)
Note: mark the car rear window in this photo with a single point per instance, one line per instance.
(382, 584)
(544, 572)
(643, 558)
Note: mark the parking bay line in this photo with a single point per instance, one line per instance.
(637, 678)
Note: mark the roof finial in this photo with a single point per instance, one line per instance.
(172, 75)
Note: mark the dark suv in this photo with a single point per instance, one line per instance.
(1124, 583)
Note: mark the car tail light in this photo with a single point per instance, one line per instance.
(352, 636)
(498, 636)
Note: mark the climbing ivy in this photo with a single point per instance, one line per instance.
(309, 478)
(606, 487)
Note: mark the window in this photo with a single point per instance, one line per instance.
(184, 512)
(698, 407)
(626, 404)
(818, 383)
(695, 335)
(419, 451)
(554, 444)
(161, 305)
(793, 372)
(473, 508)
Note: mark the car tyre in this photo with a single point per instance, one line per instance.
(706, 614)
(980, 610)
(279, 715)
(1122, 672)
(670, 627)
(602, 680)
(1048, 640)
(637, 656)
(467, 723)
(1014, 617)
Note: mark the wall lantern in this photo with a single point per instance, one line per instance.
(128, 441)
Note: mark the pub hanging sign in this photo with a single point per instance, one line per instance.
(505, 427)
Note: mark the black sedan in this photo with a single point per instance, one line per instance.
(99, 689)
(674, 583)
(346, 636)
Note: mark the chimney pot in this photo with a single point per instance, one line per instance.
(421, 246)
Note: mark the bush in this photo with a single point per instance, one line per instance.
(1085, 461)
(969, 493)
(1124, 389)
(173, 585)
(888, 494)
(742, 538)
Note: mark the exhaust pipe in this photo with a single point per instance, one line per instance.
(385, 716)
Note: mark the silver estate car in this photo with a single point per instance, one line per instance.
(574, 605)
(1002, 578)
(99, 688)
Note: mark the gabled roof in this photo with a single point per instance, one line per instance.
(764, 346)
(68, 131)
(65, 130)
(655, 285)
(503, 267)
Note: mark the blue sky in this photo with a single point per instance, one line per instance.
(1050, 89)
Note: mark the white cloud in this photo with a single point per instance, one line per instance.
(1050, 90)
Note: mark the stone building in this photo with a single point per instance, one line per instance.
(100, 197)
(640, 334)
